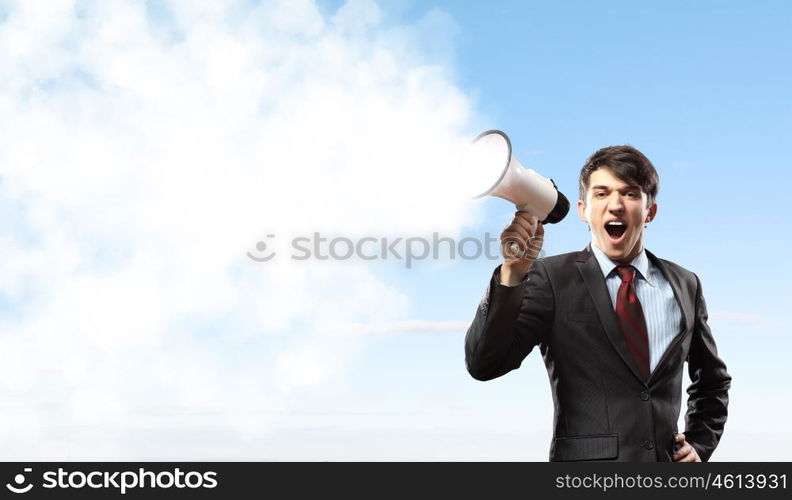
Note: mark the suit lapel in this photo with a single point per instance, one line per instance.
(685, 303)
(595, 283)
(683, 299)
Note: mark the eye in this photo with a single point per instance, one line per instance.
(599, 194)
(632, 194)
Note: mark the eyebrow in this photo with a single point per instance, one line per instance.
(608, 188)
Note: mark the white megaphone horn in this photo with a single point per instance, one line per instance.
(494, 171)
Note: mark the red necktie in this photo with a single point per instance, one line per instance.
(631, 319)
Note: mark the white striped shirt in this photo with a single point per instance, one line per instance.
(661, 310)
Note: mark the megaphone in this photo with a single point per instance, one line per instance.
(495, 171)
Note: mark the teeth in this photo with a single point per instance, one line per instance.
(615, 223)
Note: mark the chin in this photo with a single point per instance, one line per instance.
(614, 253)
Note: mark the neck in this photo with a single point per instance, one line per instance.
(625, 260)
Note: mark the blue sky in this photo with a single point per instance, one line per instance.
(153, 145)
(703, 90)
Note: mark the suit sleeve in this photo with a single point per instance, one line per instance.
(708, 397)
(508, 323)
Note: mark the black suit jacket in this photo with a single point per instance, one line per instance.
(603, 410)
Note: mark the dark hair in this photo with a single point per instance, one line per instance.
(626, 163)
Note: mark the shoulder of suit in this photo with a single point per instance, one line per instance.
(682, 272)
(672, 265)
(567, 259)
(561, 260)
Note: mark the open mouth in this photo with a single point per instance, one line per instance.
(615, 229)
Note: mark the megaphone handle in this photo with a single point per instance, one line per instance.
(524, 209)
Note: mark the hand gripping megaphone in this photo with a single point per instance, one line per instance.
(495, 171)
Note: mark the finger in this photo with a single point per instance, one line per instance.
(532, 254)
(537, 240)
(679, 445)
(684, 454)
(690, 457)
(535, 246)
(514, 228)
(539, 229)
(513, 245)
(526, 221)
(528, 216)
(536, 243)
(529, 222)
(514, 248)
(511, 252)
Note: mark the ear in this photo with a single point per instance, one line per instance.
(652, 212)
(581, 206)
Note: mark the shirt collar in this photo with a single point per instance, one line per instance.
(640, 262)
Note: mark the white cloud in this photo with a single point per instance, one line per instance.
(406, 326)
(142, 154)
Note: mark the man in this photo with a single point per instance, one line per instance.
(614, 324)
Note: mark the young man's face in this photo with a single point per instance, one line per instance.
(616, 212)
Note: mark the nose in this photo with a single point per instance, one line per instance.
(615, 202)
